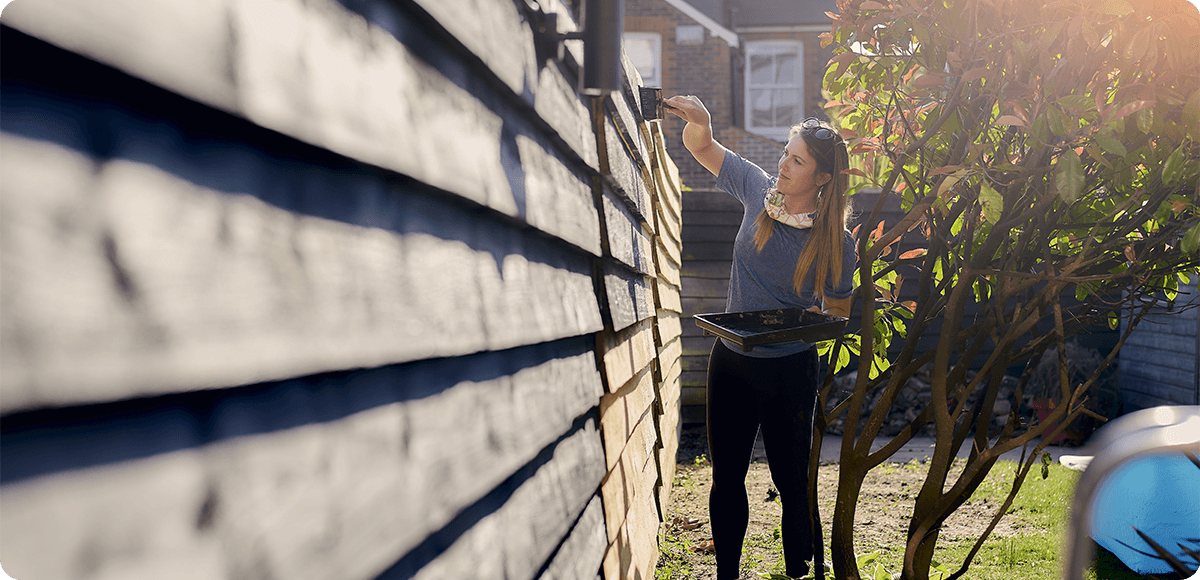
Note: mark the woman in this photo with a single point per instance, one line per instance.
(792, 250)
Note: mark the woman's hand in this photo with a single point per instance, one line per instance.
(697, 134)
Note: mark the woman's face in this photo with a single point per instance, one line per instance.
(798, 170)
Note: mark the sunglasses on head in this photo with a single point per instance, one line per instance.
(813, 126)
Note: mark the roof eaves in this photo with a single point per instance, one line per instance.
(729, 36)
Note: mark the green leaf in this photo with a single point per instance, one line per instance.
(1069, 176)
(993, 204)
(1172, 169)
(1191, 240)
(1111, 145)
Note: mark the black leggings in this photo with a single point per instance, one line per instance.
(780, 395)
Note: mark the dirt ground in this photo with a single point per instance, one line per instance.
(882, 515)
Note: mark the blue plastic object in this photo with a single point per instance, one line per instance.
(1159, 495)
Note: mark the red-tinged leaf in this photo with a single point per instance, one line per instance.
(929, 81)
(914, 254)
(857, 172)
(842, 62)
(945, 169)
(871, 5)
(1130, 254)
(1130, 109)
(862, 148)
(911, 305)
(1179, 205)
(1139, 45)
(974, 74)
(848, 134)
(855, 231)
(899, 187)
(878, 231)
(833, 16)
(1010, 120)
(833, 103)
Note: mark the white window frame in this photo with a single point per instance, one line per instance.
(754, 48)
(656, 47)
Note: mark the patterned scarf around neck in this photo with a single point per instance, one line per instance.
(773, 203)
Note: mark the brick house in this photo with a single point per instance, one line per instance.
(757, 65)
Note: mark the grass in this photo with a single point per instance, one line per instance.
(1039, 514)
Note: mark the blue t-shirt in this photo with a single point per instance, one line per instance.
(763, 280)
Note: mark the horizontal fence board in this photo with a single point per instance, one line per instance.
(708, 251)
(668, 328)
(626, 353)
(625, 173)
(628, 126)
(1138, 355)
(1149, 394)
(718, 234)
(707, 269)
(151, 46)
(367, 487)
(705, 287)
(300, 68)
(668, 297)
(665, 264)
(263, 293)
(518, 539)
(1133, 371)
(632, 477)
(713, 200)
(634, 551)
(694, 306)
(718, 219)
(628, 240)
(630, 295)
(670, 255)
(580, 556)
(692, 395)
(621, 412)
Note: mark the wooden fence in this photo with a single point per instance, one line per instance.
(331, 289)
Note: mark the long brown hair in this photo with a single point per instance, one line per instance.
(825, 241)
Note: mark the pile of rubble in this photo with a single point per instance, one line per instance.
(912, 398)
(1103, 399)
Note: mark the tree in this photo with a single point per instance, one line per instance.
(1046, 154)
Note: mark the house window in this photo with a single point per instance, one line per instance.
(774, 87)
(645, 52)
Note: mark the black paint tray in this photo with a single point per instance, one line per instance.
(759, 327)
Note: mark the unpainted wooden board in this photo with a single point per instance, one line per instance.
(621, 412)
(519, 538)
(626, 353)
(668, 296)
(161, 285)
(580, 556)
(669, 328)
(633, 478)
(634, 552)
(667, 260)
